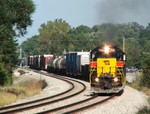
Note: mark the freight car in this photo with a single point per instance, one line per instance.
(77, 64)
(107, 69)
(39, 61)
(57, 64)
(30, 61)
(44, 61)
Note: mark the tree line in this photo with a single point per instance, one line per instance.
(56, 36)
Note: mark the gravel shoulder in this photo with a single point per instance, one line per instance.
(128, 103)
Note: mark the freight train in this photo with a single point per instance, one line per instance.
(103, 67)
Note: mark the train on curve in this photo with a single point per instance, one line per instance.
(103, 67)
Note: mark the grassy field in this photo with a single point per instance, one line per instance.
(10, 94)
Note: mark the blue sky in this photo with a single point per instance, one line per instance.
(88, 12)
(75, 12)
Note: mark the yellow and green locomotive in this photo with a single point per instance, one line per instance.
(107, 69)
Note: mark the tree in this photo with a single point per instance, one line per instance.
(15, 16)
(145, 81)
(51, 36)
(30, 46)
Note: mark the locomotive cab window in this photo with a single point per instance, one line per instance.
(112, 53)
(103, 55)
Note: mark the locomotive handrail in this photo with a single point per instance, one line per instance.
(120, 71)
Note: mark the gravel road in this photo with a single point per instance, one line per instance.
(128, 103)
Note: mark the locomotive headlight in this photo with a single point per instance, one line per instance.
(115, 79)
(106, 49)
(96, 79)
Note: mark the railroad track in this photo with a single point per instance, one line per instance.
(72, 91)
(64, 102)
(78, 106)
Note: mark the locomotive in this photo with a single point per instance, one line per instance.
(107, 69)
(103, 67)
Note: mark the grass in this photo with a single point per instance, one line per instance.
(144, 110)
(22, 90)
(7, 98)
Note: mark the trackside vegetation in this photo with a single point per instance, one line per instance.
(10, 94)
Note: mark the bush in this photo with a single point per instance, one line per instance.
(24, 89)
(43, 83)
(21, 72)
(145, 81)
(5, 76)
(144, 110)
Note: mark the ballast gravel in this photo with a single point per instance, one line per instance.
(128, 103)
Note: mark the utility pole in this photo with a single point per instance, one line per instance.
(20, 57)
(123, 44)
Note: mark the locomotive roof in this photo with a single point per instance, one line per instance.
(102, 46)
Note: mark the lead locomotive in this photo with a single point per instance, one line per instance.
(107, 69)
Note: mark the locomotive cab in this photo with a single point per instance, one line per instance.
(107, 69)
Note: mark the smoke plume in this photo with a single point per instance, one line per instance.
(124, 11)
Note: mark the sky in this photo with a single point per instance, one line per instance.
(88, 12)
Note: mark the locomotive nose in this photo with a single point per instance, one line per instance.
(106, 67)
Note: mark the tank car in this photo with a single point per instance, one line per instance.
(54, 64)
(107, 69)
(60, 64)
(50, 67)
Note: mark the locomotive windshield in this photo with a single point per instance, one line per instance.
(102, 53)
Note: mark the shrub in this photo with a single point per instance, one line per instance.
(24, 89)
(144, 110)
(145, 81)
(21, 72)
(5, 76)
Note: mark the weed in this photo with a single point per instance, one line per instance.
(28, 88)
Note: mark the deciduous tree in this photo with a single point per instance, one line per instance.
(15, 17)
